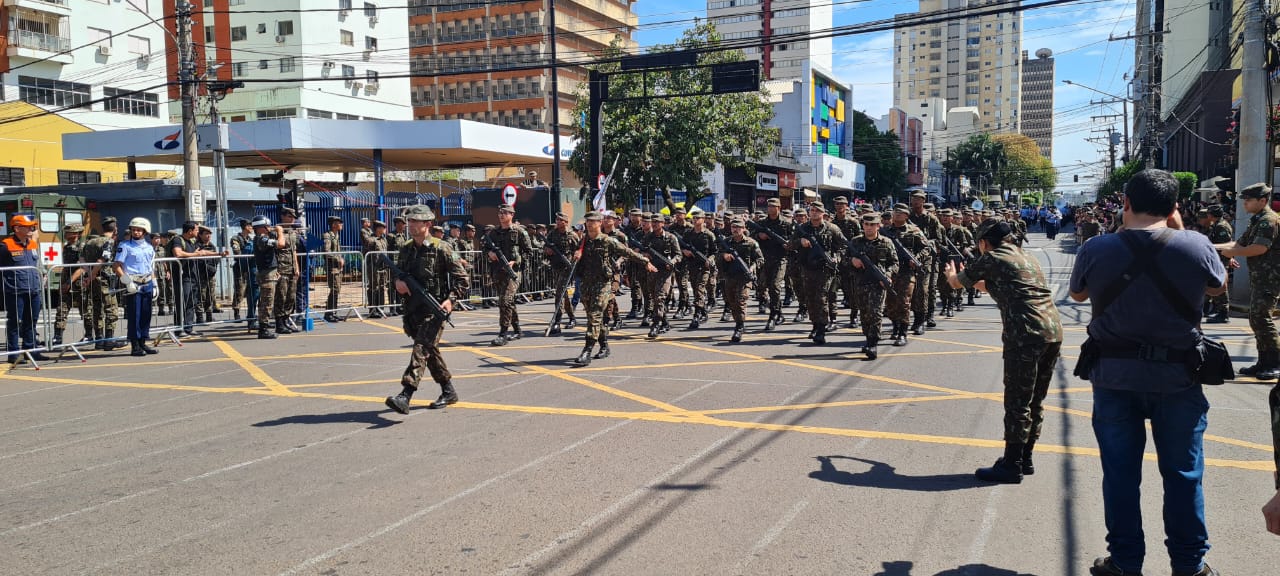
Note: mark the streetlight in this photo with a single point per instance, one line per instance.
(1123, 101)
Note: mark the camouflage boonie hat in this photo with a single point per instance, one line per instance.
(422, 213)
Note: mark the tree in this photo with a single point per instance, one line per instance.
(1024, 170)
(1187, 183)
(1119, 177)
(669, 143)
(977, 159)
(881, 153)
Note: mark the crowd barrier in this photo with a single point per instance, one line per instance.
(25, 317)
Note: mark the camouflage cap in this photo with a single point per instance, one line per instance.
(379, 224)
(562, 216)
(398, 219)
(202, 229)
(1215, 210)
(737, 223)
(1259, 190)
(919, 194)
(992, 228)
(73, 228)
(539, 226)
(901, 208)
(363, 220)
(611, 215)
(773, 202)
(506, 209)
(109, 220)
(593, 216)
(871, 218)
(471, 227)
(841, 200)
(1202, 213)
(333, 219)
(819, 207)
(680, 210)
(635, 212)
(929, 206)
(420, 213)
(287, 211)
(863, 207)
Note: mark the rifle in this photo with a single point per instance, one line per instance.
(563, 290)
(654, 255)
(816, 251)
(559, 255)
(417, 289)
(737, 259)
(876, 272)
(953, 252)
(758, 228)
(489, 246)
(903, 254)
(685, 245)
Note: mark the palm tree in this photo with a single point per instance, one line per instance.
(978, 158)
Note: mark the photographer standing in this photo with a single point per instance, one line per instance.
(1147, 284)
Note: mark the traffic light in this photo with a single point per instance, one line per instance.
(1076, 177)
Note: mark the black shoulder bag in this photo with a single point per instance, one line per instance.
(1209, 361)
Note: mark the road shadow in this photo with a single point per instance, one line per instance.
(903, 568)
(882, 475)
(373, 419)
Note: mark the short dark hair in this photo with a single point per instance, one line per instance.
(109, 226)
(188, 226)
(1152, 192)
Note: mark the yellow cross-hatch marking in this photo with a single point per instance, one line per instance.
(257, 373)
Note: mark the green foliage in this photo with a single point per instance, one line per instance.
(1119, 177)
(881, 153)
(668, 143)
(977, 158)
(1187, 184)
(1007, 162)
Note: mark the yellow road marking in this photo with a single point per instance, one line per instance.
(254, 371)
(56, 380)
(842, 404)
(982, 346)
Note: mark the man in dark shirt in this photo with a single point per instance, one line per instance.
(1144, 339)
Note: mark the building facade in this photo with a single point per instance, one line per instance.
(810, 115)
(1198, 75)
(1037, 99)
(96, 64)
(775, 32)
(298, 63)
(973, 62)
(910, 132)
(486, 61)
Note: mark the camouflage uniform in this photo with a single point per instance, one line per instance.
(72, 294)
(331, 244)
(1220, 233)
(241, 246)
(932, 229)
(735, 283)
(657, 286)
(817, 275)
(266, 261)
(599, 268)
(100, 302)
(1032, 335)
(962, 239)
(436, 266)
(870, 294)
(567, 242)
(698, 270)
(681, 279)
(379, 277)
(907, 281)
(851, 227)
(287, 288)
(1264, 279)
(207, 272)
(514, 244)
(164, 278)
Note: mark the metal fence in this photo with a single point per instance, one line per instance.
(82, 311)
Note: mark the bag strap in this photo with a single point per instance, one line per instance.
(1144, 262)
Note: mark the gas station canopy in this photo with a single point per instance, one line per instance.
(330, 145)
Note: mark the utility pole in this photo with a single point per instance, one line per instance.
(1125, 114)
(187, 83)
(1255, 162)
(555, 106)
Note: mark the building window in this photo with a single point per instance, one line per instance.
(347, 38)
(239, 33)
(313, 113)
(52, 92)
(342, 116)
(262, 27)
(13, 177)
(371, 76)
(208, 35)
(78, 177)
(284, 28)
(130, 102)
(344, 5)
(370, 43)
(370, 9)
(140, 45)
(288, 64)
(264, 64)
(348, 72)
(278, 113)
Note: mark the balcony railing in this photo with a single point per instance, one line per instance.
(38, 41)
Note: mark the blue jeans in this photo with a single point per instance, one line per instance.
(22, 310)
(1178, 422)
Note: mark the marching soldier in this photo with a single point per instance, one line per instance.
(241, 247)
(331, 245)
(102, 303)
(288, 267)
(851, 227)
(268, 244)
(795, 279)
(612, 313)
(678, 227)
(435, 266)
(879, 251)
(932, 229)
(635, 274)
(599, 257)
(1220, 232)
(559, 246)
(70, 293)
(698, 270)
(820, 245)
(737, 276)
(508, 240)
(658, 285)
(378, 278)
(907, 279)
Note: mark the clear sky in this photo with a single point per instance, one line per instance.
(1077, 34)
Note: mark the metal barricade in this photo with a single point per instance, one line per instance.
(22, 291)
(85, 308)
(378, 287)
(338, 281)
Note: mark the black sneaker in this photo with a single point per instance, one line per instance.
(398, 403)
(1204, 570)
(1104, 567)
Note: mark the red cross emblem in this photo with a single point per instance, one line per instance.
(50, 254)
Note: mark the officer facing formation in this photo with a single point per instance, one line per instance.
(1258, 245)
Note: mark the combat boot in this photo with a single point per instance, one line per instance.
(901, 331)
(604, 347)
(501, 340)
(957, 304)
(760, 309)
(282, 327)
(235, 314)
(644, 322)
(971, 302)
(147, 348)
(724, 314)
(57, 337)
(399, 403)
(872, 347)
(801, 314)
(1006, 470)
(1105, 567)
(631, 315)
(820, 335)
(1222, 316)
(948, 311)
(737, 333)
(584, 359)
(293, 326)
(555, 329)
(573, 323)
(447, 396)
(929, 322)
(134, 349)
(266, 333)
(698, 316)
(769, 324)
(653, 330)
(1028, 468)
(917, 327)
(1266, 362)
(109, 342)
(162, 312)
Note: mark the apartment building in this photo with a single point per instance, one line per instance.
(487, 61)
(1037, 99)
(775, 32)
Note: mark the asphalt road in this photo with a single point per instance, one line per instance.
(688, 455)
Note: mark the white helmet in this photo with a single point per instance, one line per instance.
(142, 223)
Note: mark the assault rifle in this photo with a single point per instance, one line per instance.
(737, 259)
(658, 259)
(870, 267)
(559, 255)
(489, 246)
(416, 289)
(954, 253)
(758, 228)
(816, 251)
(685, 245)
(904, 255)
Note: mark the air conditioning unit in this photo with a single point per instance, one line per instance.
(371, 88)
(344, 13)
(368, 54)
(280, 39)
(357, 85)
(373, 20)
(328, 64)
(104, 50)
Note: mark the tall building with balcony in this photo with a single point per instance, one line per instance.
(71, 66)
(776, 32)
(486, 61)
(970, 62)
(299, 63)
(1037, 99)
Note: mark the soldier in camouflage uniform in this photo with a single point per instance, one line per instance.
(773, 274)
(288, 267)
(241, 247)
(658, 285)
(398, 237)
(799, 217)
(678, 226)
(69, 288)
(513, 240)
(907, 280)
(566, 241)
(871, 293)
(597, 265)
(932, 229)
(698, 270)
(331, 244)
(811, 241)
(962, 240)
(1258, 245)
(103, 313)
(434, 264)
(1220, 232)
(1032, 336)
(379, 277)
(851, 226)
(609, 227)
(207, 272)
(635, 273)
(738, 246)
(164, 273)
(268, 241)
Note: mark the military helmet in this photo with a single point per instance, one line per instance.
(261, 221)
(142, 223)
